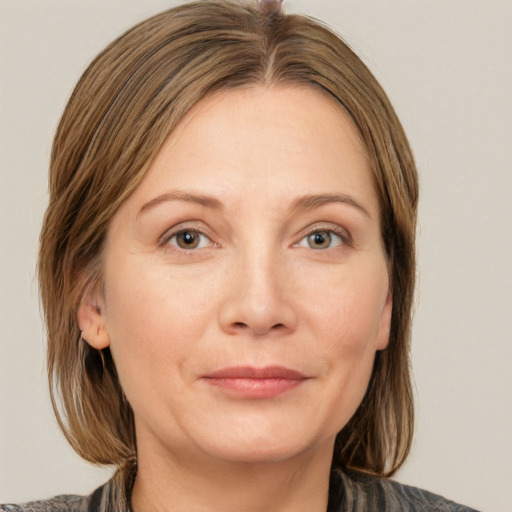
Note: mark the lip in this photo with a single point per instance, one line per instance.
(251, 382)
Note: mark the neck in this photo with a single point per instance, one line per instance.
(189, 483)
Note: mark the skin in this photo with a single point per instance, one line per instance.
(257, 290)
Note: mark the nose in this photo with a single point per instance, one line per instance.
(259, 299)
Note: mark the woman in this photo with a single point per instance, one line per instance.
(227, 269)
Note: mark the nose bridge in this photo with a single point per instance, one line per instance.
(262, 276)
(259, 297)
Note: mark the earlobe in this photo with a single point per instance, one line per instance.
(91, 321)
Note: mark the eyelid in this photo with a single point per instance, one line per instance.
(173, 240)
(164, 239)
(191, 225)
(343, 233)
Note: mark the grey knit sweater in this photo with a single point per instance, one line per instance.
(348, 493)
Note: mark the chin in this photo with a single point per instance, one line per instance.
(264, 447)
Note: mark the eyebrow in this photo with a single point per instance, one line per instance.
(304, 203)
(311, 202)
(209, 202)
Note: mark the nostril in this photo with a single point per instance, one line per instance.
(257, 315)
(242, 325)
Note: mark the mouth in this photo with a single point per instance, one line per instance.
(253, 382)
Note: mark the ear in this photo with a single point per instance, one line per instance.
(382, 339)
(91, 320)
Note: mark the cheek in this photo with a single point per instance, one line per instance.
(348, 310)
(346, 317)
(346, 345)
(154, 319)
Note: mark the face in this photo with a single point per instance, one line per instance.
(245, 287)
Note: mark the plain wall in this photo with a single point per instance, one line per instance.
(446, 64)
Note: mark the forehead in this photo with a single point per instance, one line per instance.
(284, 140)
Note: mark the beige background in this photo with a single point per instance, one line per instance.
(446, 65)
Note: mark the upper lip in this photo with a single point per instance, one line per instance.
(250, 372)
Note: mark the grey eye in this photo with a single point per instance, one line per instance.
(321, 239)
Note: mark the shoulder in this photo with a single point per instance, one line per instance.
(107, 498)
(420, 500)
(66, 503)
(364, 492)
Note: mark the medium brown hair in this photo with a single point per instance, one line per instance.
(124, 107)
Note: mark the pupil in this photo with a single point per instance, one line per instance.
(188, 238)
(319, 239)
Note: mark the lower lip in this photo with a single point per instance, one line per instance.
(255, 388)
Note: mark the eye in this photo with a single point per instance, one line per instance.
(321, 239)
(189, 239)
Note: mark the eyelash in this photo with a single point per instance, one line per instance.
(340, 233)
(166, 239)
